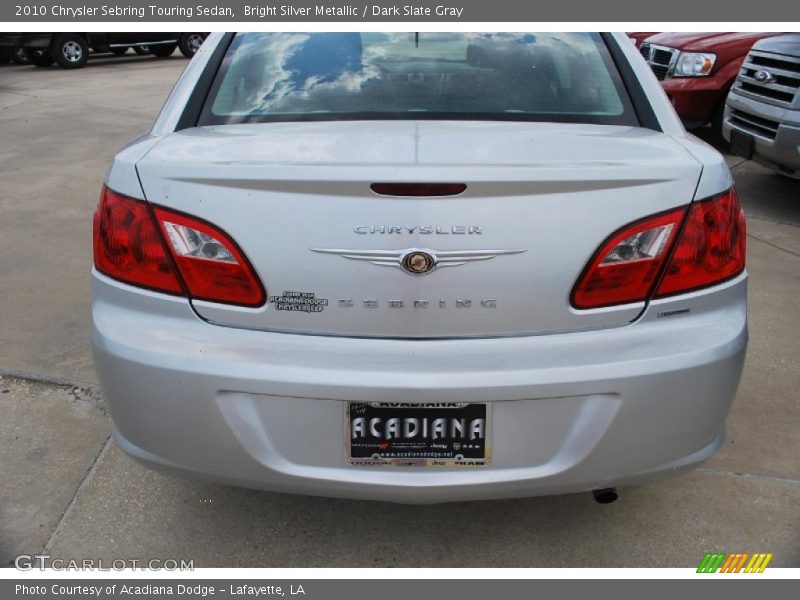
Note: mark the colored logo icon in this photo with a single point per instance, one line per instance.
(737, 562)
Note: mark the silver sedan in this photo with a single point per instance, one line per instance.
(419, 268)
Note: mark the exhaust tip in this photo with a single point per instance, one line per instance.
(605, 496)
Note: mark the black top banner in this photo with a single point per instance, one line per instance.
(468, 11)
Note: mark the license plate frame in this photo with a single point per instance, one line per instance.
(421, 450)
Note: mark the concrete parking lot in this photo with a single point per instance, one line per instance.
(68, 491)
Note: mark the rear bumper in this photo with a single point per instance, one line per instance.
(781, 153)
(570, 412)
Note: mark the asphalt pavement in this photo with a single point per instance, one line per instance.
(69, 492)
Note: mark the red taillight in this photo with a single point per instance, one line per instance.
(210, 262)
(627, 265)
(710, 249)
(143, 248)
(128, 245)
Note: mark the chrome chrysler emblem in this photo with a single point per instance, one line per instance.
(417, 261)
(763, 76)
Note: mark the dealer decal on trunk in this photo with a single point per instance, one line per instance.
(299, 302)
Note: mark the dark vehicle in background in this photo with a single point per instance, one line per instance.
(18, 56)
(697, 70)
(71, 50)
(762, 115)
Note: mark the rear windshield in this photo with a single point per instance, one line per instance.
(560, 77)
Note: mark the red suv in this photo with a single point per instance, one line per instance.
(698, 69)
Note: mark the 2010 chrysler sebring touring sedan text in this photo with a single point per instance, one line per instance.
(419, 268)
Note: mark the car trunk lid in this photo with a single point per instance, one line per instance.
(540, 199)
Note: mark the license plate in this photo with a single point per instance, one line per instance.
(742, 144)
(447, 434)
